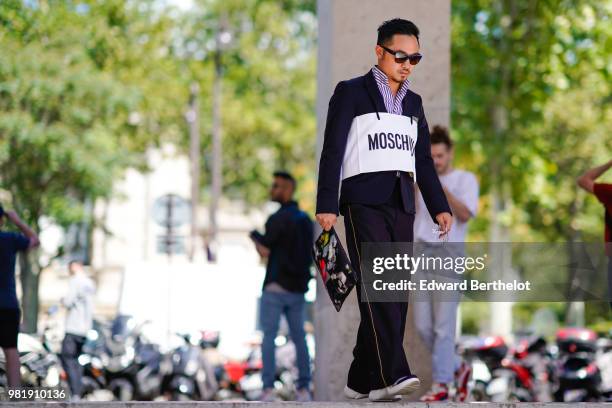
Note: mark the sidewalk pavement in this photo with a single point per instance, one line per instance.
(317, 404)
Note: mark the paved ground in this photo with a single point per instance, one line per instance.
(320, 404)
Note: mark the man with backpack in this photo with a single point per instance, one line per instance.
(287, 245)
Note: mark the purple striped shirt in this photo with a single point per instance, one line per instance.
(393, 105)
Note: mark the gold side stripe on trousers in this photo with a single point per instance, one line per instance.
(367, 298)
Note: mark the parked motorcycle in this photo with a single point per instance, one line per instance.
(191, 377)
(93, 360)
(501, 374)
(241, 380)
(531, 367)
(39, 367)
(577, 374)
(134, 367)
(484, 355)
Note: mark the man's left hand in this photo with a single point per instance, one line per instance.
(263, 251)
(445, 221)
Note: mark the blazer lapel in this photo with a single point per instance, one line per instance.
(408, 109)
(374, 92)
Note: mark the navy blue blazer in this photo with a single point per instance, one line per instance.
(359, 96)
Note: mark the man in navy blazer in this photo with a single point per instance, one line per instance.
(376, 143)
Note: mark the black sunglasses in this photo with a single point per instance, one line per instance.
(401, 56)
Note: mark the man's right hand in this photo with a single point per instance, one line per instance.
(27, 231)
(12, 215)
(326, 220)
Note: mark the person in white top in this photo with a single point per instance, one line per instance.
(435, 314)
(79, 304)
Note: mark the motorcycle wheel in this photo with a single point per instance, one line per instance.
(479, 392)
(122, 389)
(90, 386)
(179, 397)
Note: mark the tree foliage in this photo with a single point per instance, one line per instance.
(268, 101)
(79, 102)
(531, 111)
(86, 87)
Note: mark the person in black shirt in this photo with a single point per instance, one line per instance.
(10, 316)
(286, 244)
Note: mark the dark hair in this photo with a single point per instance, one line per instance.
(286, 176)
(389, 28)
(439, 134)
(1, 211)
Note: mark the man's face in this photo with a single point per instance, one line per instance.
(386, 61)
(280, 191)
(442, 157)
(74, 267)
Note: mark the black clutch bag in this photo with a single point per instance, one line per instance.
(334, 267)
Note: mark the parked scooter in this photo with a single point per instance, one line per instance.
(484, 355)
(191, 377)
(604, 362)
(93, 360)
(577, 374)
(241, 380)
(502, 375)
(135, 368)
(40, 367)
(532, 368)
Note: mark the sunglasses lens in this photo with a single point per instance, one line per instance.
(400, 58)
(415, 59)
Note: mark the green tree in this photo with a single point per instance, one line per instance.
(269, 84)
(79, 102)
(531, 92)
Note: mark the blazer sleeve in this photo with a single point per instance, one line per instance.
(426, 175)
(340, 114)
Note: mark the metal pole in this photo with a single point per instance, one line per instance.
(169, 229)
(169, 243)
(216, 135)
(194, 153)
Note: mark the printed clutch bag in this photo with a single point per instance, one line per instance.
(334, 267)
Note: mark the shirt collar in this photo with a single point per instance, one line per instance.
(382, 77)
(291, 203)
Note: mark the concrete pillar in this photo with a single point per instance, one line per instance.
(347, 37)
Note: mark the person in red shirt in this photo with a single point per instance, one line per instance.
(603, 192)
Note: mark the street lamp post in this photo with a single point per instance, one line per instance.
(222, 39)
(192, 117)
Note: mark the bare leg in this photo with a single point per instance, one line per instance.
(13, 366)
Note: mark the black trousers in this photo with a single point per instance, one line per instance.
(72, 346)
(378, 357)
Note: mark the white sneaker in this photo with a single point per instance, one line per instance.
(382, 395)
(403, 386)
(352, 394)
